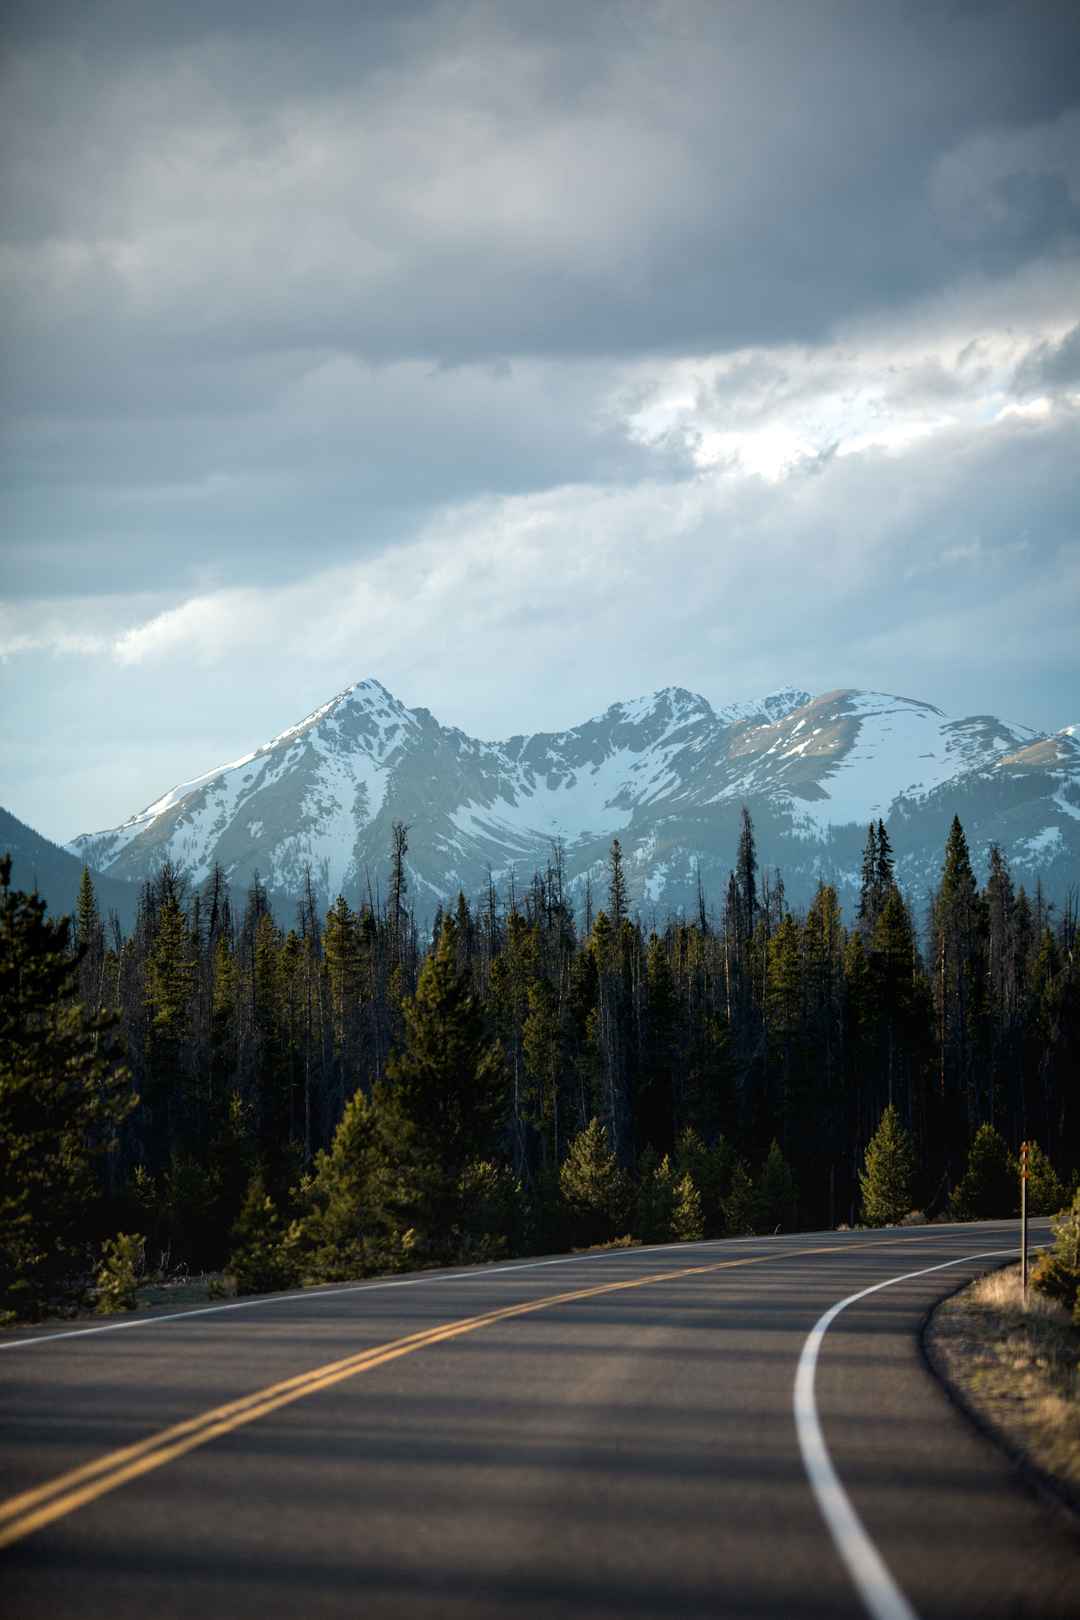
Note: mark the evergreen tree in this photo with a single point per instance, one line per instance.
(888, 1175)
(957, 956)
(259, 1261)
(399, 883)
(740, 1205)
(710, 1169)
(122, 1265)
(989, 1188)
(169, 993)
(340, 1231)
(344, 957)
(616, 886)
(656, 1088)
(816, 1106)
(1046, 1193)
(746, 876)
(594, 1189)
(774, 1195)
(886, 866)
(687, 1219)
(445, 1100)
(541, 1046)
(63, 1092)
(868, 881)
(90, 945)
(656, 1197)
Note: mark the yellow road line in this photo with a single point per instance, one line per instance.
(31, 1510)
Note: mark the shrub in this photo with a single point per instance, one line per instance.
(1057, 1272)
(493, 1201)
(122, 1266)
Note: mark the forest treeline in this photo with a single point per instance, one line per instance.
(339, 1096)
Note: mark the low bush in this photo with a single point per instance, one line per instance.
(123, 1265)
(1057, 1271)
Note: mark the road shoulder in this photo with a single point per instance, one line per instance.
(1015, 1374)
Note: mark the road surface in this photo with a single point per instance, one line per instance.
(690, 1430)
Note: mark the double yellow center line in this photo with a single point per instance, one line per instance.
(22, 1515)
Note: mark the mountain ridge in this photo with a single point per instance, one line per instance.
(666, 772)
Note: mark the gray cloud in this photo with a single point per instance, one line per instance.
(290, 290)
(1050, 365)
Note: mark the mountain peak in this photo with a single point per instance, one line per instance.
(670, 702)
(768, 710)
(665, 772)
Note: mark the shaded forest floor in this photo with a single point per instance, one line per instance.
(1016, 1367)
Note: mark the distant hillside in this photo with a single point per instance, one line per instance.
(38, 864)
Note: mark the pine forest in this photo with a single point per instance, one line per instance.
(328, 1096)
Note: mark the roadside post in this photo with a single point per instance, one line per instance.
(1023, 1218)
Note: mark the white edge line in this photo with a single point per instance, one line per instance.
(879, 1592)
(334, 1291)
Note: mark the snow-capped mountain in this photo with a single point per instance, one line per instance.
(668, 774)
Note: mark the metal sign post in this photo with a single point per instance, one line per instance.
(1023, 1220)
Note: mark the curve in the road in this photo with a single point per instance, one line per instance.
(874, 1583)
(870, 1548)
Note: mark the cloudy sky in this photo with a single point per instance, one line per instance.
(526, 358)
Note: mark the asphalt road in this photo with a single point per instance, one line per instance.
(632, 1450)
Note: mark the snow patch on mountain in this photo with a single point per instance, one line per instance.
(1041, 844)
(582, 804)
(776, 706)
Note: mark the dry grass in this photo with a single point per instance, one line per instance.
(626, 1242)
(1017, 1365)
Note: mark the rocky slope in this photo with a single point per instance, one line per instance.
(667, 774)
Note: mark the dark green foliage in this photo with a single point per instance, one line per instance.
(338, 1233)
(775, 1194)
(63, 1092)
(595, 1191)
(260, 1261)
(990, 1186)
(123, 1264)
(1046, 1194)
(617, 902)
(687, 1217)
(655, 1198)
(710, 1169)
(444, 1104)
(746, 877)
(740, 1205)
(887, 1179)
(496, 1217)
